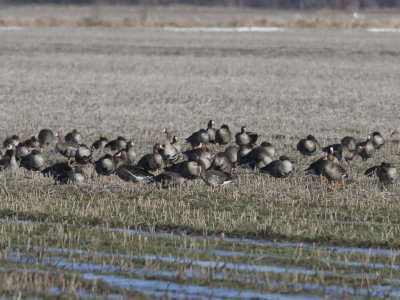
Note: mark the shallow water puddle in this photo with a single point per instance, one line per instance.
(334, 249)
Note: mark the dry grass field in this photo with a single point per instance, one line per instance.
(295, 239)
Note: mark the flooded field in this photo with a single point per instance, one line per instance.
(257, 238)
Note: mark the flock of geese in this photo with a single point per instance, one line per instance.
(168, 165)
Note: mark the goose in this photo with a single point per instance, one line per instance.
(46, 138)
(280, 168)
(71, 175)
(169, 179)
(153, 161)
(214, 178)
(377, 139)
(131, 173)
(67, 149)
(331, 170)
(118, 144)
(315, 168)
(83, 155)
(211, 131)
(169, 153)
(346, 150)
(366, 149)
(34, 161)
(9, 161)
(187, 169)
(258, 157)
(105, 165)
(73, 136)
(33, 142)
(100, 143)
(232, 153)
(246, 138)
(386, 173)
(56, 170)
(222, 163)
(223, 136)
(22, 150)
(198, 137)
(308, 145)
(11, 141)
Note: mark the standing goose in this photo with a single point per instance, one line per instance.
(222, 163)
(280, 168)
(315, 168)
(73, 136)
(67, 149)
(331, 170)
(308, 145)
(130, 150)
(83, 155)
(131, 173)
(46, 138)
(11, 141)
(100, 143)
(105, 165)
(211, 131)
(153, 161)
(9, 161)
(214, 178)
(386, 173)
(118, 144)
(169, 153)
(169, 179)
(377, 139)
(33, 161)
(223, 135)
(366, 149)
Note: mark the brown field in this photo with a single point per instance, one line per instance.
(135, 82)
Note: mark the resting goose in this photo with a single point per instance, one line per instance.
(131, 173)
(222, 163)
(223, 135)
(308, 145)
(280, 168)
(83, 155)
(214, 178)
(34, 161)
(169, 179)
(46, 138)
(105, 165)
(73, 136)
(100, 143)
(153, 161)
(118, 144)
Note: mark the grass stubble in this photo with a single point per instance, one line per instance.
(135, 83)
